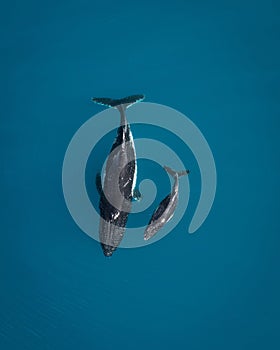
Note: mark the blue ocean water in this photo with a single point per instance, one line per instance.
(218, 63)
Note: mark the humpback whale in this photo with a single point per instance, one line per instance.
(118, 188)
(167, 206)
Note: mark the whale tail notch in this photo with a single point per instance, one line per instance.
(174, 173)
(126, 101)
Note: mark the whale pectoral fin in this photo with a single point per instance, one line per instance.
(137, 196)
(98, 183)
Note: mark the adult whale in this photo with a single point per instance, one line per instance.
(167, 206)
(118, 188)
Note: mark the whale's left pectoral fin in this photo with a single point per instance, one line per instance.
(137, 196)
(98, 183)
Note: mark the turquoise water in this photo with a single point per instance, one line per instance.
(218, 63)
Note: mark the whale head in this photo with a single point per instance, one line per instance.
(108, 250)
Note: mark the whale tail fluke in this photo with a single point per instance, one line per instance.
(104, 101)
(126, 101)
(174, 173)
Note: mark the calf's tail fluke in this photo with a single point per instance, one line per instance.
(110, 102)
(174, 173)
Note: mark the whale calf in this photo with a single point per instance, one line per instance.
(118, 188)
(167, 206)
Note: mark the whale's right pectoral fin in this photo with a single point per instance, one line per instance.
(137, 196)
(98, 183)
